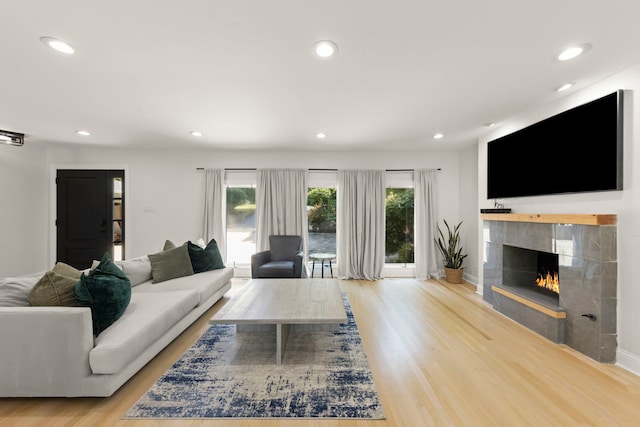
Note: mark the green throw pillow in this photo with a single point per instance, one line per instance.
(170, 264)
(205, 259)
(67, 270)
(54, 289)
(107, 291)
(168, 244)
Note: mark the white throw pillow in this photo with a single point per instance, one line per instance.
(14, 291)
(138, 270)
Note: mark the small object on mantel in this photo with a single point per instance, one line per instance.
(584, 219)
(496, 210)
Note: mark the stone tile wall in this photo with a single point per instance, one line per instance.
(587, 271)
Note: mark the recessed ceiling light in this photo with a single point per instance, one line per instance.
(573, 51)
(438, 135)
(489, 125)
(321, 135)
(59, 45)
(196, 133)
(565, 87)
(325, 48)
(83, 132)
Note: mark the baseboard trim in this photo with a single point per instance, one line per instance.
(628, 361)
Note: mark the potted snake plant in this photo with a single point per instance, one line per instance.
(451, 250)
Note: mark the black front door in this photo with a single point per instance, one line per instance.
(85, 215)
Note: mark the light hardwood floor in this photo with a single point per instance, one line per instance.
(440, 357)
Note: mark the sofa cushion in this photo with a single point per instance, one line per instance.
(14, 291)
(205, 259)
(206, 283)
(148, 317)
(107, 291)
(138, 270)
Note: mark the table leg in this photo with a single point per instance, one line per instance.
(313, 268)
(331, 269)
(282, 335)
(323, 269)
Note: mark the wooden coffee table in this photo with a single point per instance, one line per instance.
(287, 304)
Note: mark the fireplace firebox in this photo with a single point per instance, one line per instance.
(534, 274)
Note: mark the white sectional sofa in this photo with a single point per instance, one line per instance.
(51, 351)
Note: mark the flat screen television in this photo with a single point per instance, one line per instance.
(578, 150)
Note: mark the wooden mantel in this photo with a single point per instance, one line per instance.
(583, 219)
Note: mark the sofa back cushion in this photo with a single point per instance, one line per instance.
(138, 270)
(14, 291)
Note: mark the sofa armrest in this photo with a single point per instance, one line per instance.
(45, 350)
(257, 260)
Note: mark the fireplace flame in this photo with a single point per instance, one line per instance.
(549, 281)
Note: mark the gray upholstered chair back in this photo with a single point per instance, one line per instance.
(284, 248)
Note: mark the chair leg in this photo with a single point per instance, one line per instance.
(313, 268)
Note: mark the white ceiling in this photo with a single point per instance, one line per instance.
(147, 72)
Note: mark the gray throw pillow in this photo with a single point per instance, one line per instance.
(170, 264)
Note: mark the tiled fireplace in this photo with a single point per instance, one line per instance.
(574, 259)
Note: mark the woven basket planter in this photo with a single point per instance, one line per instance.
(453, 275)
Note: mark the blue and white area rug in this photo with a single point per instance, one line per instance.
(323, 375)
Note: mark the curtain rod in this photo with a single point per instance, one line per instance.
(320, 170)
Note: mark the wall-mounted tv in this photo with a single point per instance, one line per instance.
(578, 150)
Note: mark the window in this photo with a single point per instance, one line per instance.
(118, 219)
(399, 226)
(321, 212)
(241, 224)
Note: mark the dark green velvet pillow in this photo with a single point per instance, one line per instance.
(205, 259)
(107, 291)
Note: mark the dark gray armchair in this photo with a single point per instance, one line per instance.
(284, 259)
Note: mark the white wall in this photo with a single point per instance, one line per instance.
(23, 201)
(164, 199)
(626, 203)
(468, 200)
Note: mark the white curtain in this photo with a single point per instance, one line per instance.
(214, 224)
(281, 205)
(361, 219)
(426, 223)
